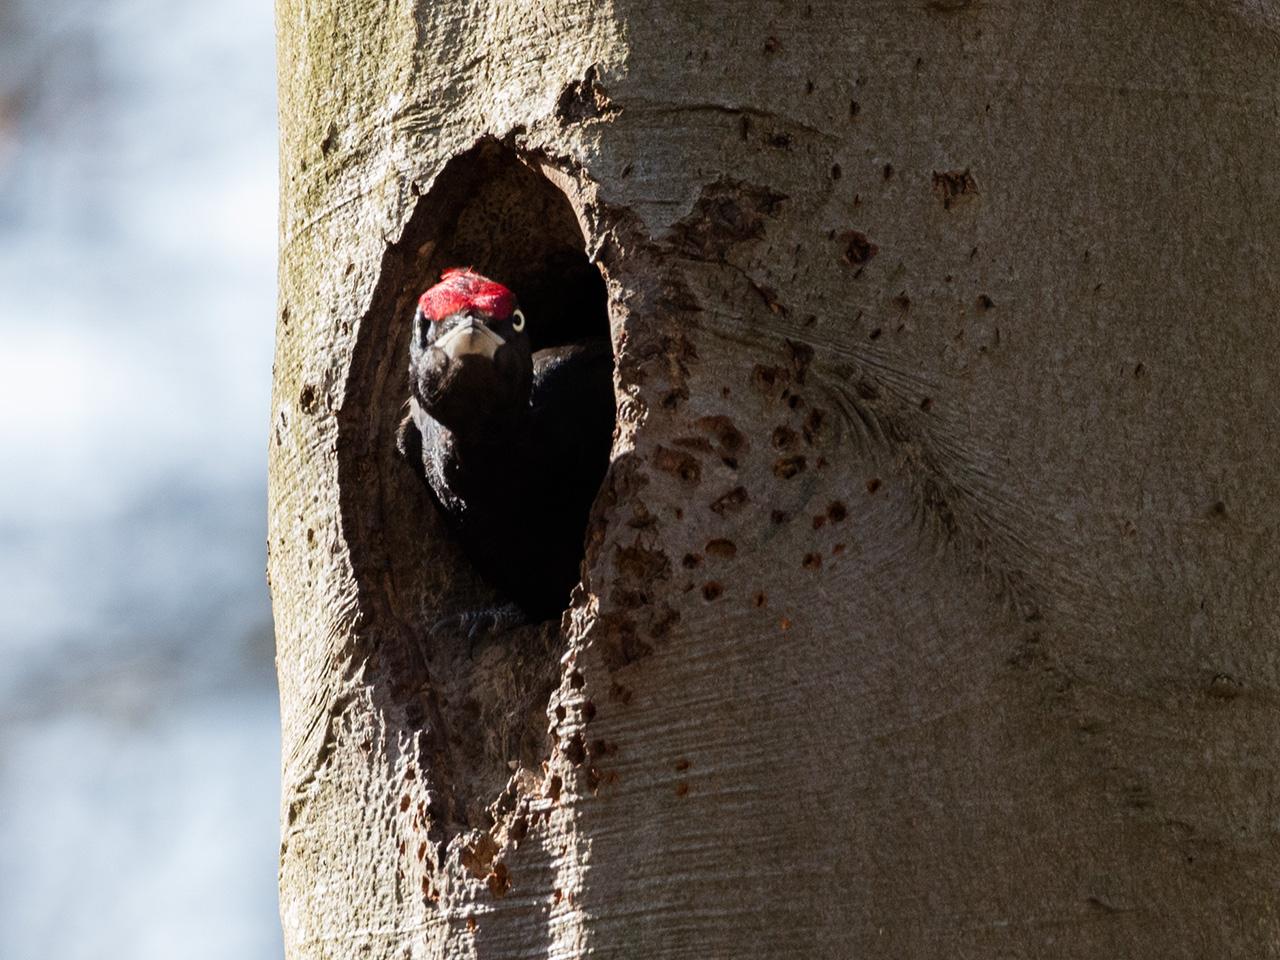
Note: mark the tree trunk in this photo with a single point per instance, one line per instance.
(930, 602)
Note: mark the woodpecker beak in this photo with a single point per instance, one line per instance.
(470, 337)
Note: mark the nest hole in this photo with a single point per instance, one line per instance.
(485, 698)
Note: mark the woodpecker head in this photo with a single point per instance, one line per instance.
(470, 364)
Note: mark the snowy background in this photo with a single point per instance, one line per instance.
(139, 731)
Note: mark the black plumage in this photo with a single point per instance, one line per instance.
(513, 444)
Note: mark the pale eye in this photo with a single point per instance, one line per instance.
(517, 320)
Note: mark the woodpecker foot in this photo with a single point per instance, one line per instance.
(480, 625)
(409, 442)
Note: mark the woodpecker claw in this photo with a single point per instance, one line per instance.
(479, 625)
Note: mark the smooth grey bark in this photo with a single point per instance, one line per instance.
(930, 602)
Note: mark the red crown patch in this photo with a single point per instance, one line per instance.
(461, 288)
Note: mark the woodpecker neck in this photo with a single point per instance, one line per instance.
(471, 461)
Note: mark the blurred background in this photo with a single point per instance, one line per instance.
(139, 731)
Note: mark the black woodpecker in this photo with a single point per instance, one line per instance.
(512, 443)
